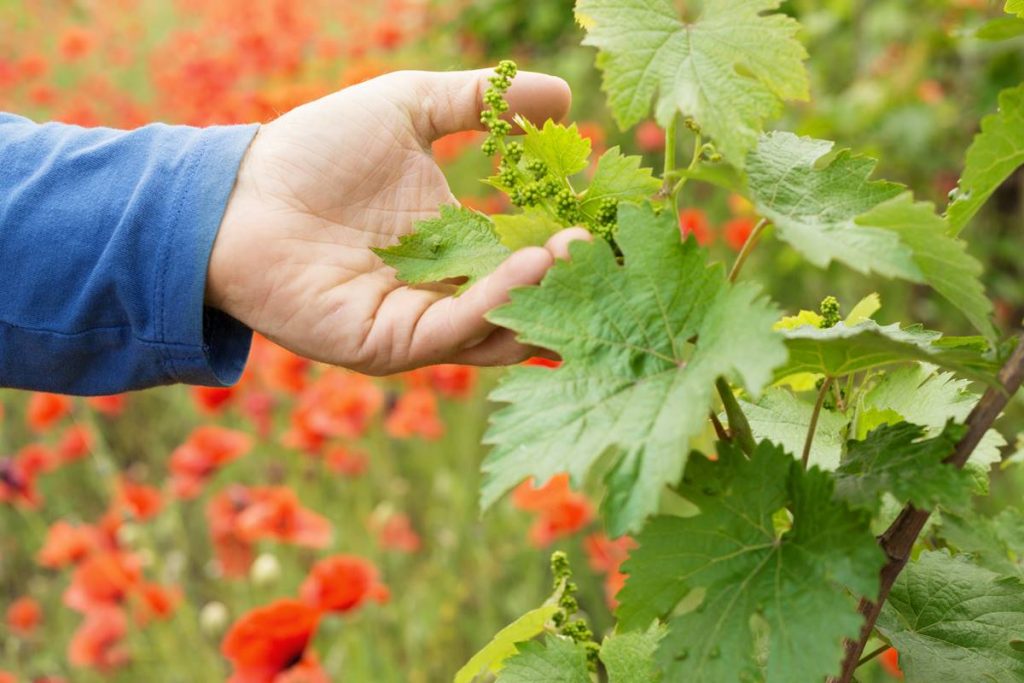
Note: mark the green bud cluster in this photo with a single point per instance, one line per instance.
(575, 629)
(497, 105)
(829, 312)
(567, 206)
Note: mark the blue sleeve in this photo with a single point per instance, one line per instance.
(105, 238)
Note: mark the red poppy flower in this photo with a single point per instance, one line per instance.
(45, 410)
(111, 406)
(102, 580)
(76, 42)
(277, 368)
(650, 137)
(205, 451)
(141, 501)
(415, 414)
(346, 461)
(560, 511)
(306, 671)
(613, 583)
(453, 381)
(606, 555)
(338, 405)
(7, 677)
(24, 616)
(66, 545)
(76, 443)
(737, 231)
(18, 483)
(270, 640)
(234, 555)
(890, 660)
(98, 642)
(274, 513)
(212, 400)
(342, 583)
(155, 602)
(395, 532)
(450, 147)
(695, 222)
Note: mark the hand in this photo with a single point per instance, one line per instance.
(322, 184)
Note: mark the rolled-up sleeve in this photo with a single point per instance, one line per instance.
(105, 239)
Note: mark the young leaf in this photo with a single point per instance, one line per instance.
(1015, 7)
(898, 459)
(728, 69)
(493, 655)
(823, 204)
(996, 543)
(997, 151)
(459, 243)
(530, 229)
(561, 148)
(629, 657)
(765, 596)
(953, 621)
(841, 350)
(620, 178)
(783, 418)
(642, 346)
(553, 660)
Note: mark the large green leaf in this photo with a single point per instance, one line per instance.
(459, 243)
(898, 459)
(552, 660)
(997, 151)
(996, 543)
(643, 344)
(823, 204)
(951, 620)
(765, 596)
(841, 350)
(629, 657)
(784, 419)
(491, 658)
(728, 68)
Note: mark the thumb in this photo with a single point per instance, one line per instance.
(441, 103)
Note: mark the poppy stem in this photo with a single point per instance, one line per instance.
(748, 247)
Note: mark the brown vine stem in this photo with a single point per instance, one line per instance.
(813, 428)
(748, 246)
(898, 540)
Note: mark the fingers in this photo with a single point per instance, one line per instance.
(441, 103)
(456, 323)
(558, 244)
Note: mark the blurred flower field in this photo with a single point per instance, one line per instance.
(311, 524)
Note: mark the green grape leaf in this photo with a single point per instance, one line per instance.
(459, 243)
(629, 657)
(924, 397)
(620, 178)
(841, 350)
(491, 658)
(768, 600)
(562, 148)
(530, 229)
(1002, 28)
(898, 459)
(553, 660)
(784, 419)
(996, 152)
(996, 543)
(728, 69)
(824, 205)
(951, 620)
(642, 346)
(1015, 7)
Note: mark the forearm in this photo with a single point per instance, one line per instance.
(105, 237)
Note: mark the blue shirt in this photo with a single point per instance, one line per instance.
(105, 238)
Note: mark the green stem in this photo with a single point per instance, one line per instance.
(874, 653)
(671, 145)
(738, 425)
(814, 420)
(748, 247)
(684, 175)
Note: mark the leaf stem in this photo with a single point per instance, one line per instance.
(671, 145)
(684, 175)
(748, 247)
(874, 653)
(813, 428)
(739, 428)
(719, 429)
(897, 541)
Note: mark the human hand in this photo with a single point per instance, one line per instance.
(322, 184)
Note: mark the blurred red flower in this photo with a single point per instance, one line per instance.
(76, 443)
(415, 414)
(606, 556)
(45, 410)
(342, 583)
(141, 501)
(112, 405)
(695, 222)
(76, 42)
(738, 230)
(890, 660)
(560, 511)
(453, 381)
(346, 461)
(274, 513)
(270, 640)
(394, 532)
(650, 137)
(339, 404)
(66, 545)
(98, 643)
(212, 400)
(24, 616)
(205, 451)
(103, 579)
